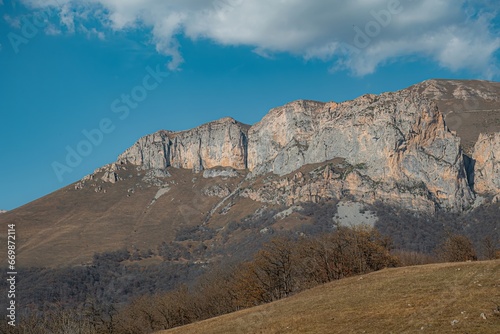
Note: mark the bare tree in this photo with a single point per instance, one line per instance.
(457, 248)
(491, 249)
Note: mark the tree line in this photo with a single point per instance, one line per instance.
(284, 266)
(195, 281)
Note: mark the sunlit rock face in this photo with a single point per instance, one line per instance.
(396, 141)
(487, 164)
(220, 143)
(395, 147)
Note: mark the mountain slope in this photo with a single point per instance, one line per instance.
(438, 298)
(470, 107)
(394, 148)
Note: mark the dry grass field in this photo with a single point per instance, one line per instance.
(437, 298)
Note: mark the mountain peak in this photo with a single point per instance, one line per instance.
(217, 143)
(392, 135)
(393, 149)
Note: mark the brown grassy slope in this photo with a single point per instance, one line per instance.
(424, 299)
(68, 226)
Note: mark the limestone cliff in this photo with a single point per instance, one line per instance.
(276, 143)
(220, 143)
(224, 183)
(394, 147)
(400, 140)
(487, 164)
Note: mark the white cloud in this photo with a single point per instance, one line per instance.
(67, 17)
(13, 22)
(92, 32)
(52, 30)
(358, 35)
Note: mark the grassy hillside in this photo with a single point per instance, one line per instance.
(69, 226)
(437, 298)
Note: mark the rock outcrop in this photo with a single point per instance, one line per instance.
(220, 143)
(400, 140)
(487, 164)
(110, 177)
(278, 142)
(224, 173)
(394, 147)
(337, 180)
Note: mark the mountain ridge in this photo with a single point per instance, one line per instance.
(278, 142)
(395, 149)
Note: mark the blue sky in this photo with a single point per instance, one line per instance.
(64, 63)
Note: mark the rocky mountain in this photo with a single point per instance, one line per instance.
(429, 148)
(3, 211)
(397, 146)
(219, 143)
(469, 107)
(487, 164)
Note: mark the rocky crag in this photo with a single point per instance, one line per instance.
(430, 148)
(395, 147)
(486, 158)
(219, 143)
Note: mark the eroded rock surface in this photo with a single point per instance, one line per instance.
(394, 147)
(220, 143)
(487, 164)
(399, 139)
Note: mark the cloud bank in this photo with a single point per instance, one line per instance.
(355, 35)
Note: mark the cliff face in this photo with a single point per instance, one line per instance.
(219, 143)
(487, 164)
(149, 152)
(383, 132)
(396, 148)
(278, 142)
(393, 148)
(399, 139)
